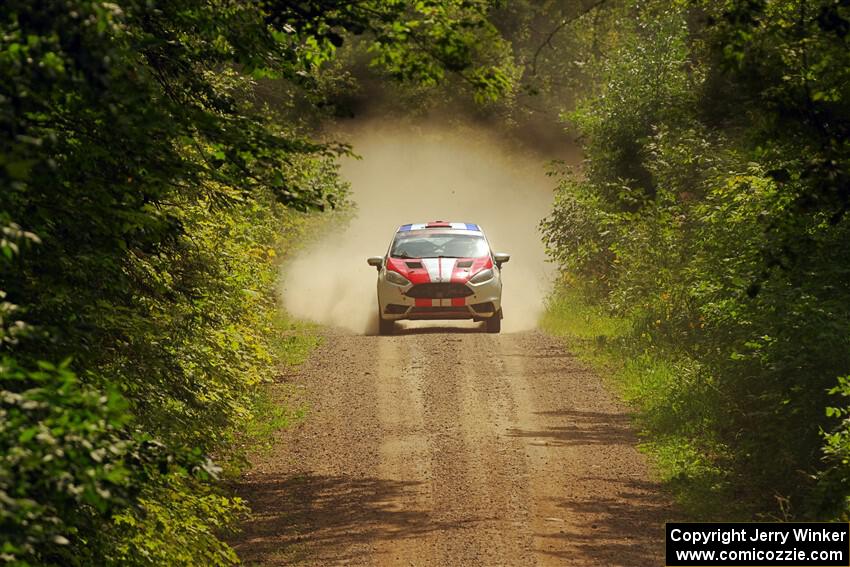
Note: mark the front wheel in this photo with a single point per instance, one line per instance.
(385, 326)
(494, 323)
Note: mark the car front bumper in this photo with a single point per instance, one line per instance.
(484, 302)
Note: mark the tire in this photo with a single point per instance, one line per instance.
(494, 323)
(385, 326)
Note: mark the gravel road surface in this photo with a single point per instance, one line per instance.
(451, 447)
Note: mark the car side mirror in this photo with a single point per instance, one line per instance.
(377, 261)
(500, 258)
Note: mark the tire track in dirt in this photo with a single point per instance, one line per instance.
(594, 500)
(451, 447)
(405, 454)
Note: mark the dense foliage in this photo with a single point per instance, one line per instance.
(144, 190)
(711, 214)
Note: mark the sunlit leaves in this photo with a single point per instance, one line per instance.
(712, 215)
(150, 185)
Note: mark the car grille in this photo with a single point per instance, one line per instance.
(446, 309)
(439, 290)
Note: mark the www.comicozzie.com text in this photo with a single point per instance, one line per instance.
(726, 536)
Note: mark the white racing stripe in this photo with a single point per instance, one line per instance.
(433, 267)
(448, 266)
(439, 269)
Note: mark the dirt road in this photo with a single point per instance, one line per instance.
(450, 447)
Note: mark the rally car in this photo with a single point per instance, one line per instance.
(439, 270)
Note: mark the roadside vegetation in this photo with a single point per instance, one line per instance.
(703, 244)
(148, 187)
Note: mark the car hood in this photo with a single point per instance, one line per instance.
(432, 270)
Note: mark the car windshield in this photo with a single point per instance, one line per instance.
(439, 245)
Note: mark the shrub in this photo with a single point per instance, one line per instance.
(711, 233)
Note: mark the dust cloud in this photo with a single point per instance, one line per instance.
(409, 174)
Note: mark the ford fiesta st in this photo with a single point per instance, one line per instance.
(439, 270)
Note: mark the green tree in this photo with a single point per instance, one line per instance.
(135, 150)
(712, 215)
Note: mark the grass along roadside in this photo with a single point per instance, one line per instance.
(669, 415)
(276, 404)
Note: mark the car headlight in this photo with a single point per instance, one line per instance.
(396, 278)
(482, 276)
